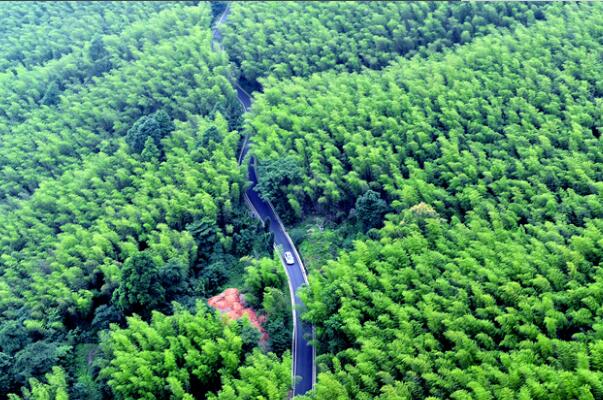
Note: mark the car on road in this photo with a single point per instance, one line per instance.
(288, 258)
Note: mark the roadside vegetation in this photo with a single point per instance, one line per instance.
(473, 179)
(121, 199)
(441, 176)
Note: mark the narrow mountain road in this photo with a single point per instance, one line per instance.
(304, 364)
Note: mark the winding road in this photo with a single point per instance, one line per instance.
(304, 364)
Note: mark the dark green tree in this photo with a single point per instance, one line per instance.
(172, 277)
(213, 276)
(97, 50)
(36, 359)
(155, 126)
(6, 374)
(140, 289)
(13, 337)
(166, 125)
(210, 135)
(105, 315)
(99, 56)
(249, 334)
(144, 128)
(370, 208)
(204, 231)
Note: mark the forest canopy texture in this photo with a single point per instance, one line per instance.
(438, 164)
(485, 280)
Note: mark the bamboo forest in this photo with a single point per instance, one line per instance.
(312, 200)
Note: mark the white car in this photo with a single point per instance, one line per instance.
(289, 258)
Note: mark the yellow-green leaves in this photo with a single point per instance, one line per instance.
(187, 355)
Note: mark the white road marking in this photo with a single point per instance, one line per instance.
(290, 242)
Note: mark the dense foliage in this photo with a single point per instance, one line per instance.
(503, 124)
(443, 163)
(34, 33)
(297, 38)
(461, 311)
(187, 356)
(265, 287)
(69, 240)
(23, 89)
(181, 76)
(486, 281)
(119, 196)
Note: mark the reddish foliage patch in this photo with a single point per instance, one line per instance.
(232, 304)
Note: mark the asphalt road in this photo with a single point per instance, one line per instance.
(304, 368)
(303, 353)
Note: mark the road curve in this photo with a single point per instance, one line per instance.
(304, 365)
